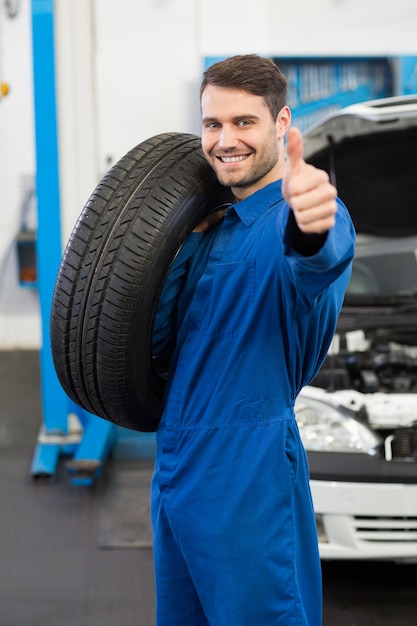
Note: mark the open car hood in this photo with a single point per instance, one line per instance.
(370, 152)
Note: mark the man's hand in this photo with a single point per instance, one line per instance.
(210, 221)
(307, 189)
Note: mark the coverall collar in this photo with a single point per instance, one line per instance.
(249, 209)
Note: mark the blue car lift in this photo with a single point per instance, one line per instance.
(67, 429)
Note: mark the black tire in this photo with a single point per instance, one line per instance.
(112, 273)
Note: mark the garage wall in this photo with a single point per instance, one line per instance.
(131, 69)
(301, 27)
(19, 307)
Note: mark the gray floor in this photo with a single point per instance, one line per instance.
(54, 571)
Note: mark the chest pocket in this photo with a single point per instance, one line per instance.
(225, 299)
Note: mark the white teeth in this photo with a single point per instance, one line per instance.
(233, 159)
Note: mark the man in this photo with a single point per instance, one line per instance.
(256, 300)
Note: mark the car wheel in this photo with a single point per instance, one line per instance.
(113, 270)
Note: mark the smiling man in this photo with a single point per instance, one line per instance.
(240, 138)
(257, 296)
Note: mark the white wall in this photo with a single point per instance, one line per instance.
(131, 69)
(307, 27)
(19, 308)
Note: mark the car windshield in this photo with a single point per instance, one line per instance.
(383, 268)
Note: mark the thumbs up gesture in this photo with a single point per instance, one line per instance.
(308, 190)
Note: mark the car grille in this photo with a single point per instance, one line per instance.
(368, 528)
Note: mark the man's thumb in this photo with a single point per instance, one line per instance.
(295, 149)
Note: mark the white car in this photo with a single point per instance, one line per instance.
(358, 418)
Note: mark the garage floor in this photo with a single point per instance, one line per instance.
(54, 571)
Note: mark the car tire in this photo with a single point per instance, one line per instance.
(112, 272)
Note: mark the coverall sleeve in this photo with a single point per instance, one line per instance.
(315, 272)
(164, 331)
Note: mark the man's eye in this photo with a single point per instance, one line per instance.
(244, 122)
(212, 125)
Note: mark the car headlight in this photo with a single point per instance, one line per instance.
(324, 428)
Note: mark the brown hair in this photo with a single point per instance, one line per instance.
(252, 73)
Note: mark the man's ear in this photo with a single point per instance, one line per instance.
(283, 121)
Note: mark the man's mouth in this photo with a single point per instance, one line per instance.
(233, 159)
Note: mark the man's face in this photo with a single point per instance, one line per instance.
(240, 140)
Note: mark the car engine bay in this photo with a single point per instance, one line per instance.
(372, 374)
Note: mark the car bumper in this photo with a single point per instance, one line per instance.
(366, 507)
(366, 520)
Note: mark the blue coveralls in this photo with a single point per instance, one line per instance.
(235, 541)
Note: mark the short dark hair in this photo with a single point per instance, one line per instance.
(252, 73)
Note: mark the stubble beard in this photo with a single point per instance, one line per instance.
(256, 173)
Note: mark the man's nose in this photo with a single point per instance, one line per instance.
(227, 138)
